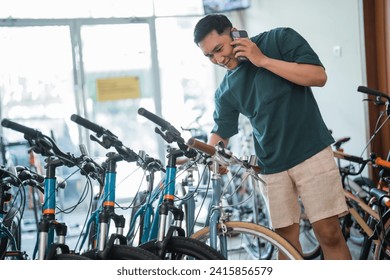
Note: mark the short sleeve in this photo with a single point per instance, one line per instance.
(225, 117)
(295, 48)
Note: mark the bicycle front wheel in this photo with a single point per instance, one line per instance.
(249, 241)
(66, 257)
(184, 248)
(122, 252)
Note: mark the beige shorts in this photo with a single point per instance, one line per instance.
(316, 182)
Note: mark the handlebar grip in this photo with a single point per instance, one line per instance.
(152, 117)
(20, 128)
(381, 162)
(87, 124)
(201, 146)
(371, 91)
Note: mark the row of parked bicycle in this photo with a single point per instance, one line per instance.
(163, 222)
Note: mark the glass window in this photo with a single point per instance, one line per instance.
(178, 7)
(36, 89)
(36, 82)
(75, 8)
(187, 76)
(48, 9)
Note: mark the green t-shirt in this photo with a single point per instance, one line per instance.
(287, 125)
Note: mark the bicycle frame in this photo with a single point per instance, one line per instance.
(149, 216)
(105, 211)
(146, 213)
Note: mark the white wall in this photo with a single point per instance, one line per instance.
(325, 24)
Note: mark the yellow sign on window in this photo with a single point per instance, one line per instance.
(110, 89)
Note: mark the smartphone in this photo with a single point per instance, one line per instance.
(240, 34)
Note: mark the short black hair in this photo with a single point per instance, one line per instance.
(217, 22)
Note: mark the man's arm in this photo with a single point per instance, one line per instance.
(215, 138)
(297, 73)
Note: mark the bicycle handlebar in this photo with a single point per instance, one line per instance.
(41, 144)
(342, 155)
(171, 133)
(88, 124)
(374, 92)
(222, 155)
(154, 118)
(378, 161)
(30, 132)
(109, 138)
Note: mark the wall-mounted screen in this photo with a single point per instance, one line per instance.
(218, 6)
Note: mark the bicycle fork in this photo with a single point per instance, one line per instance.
(108, 196)
(167, 204)
(48, 224)
(216, 208)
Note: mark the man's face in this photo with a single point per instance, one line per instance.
(218, 49)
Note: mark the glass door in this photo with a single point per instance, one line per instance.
(119, 80)
(36, 82)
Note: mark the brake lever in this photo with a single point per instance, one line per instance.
(101, 143)
(166, 137)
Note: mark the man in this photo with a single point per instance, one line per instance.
(272, 88)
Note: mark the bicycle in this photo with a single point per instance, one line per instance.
(101, 245)
(49, 227)
(166, 246)
(369, 207)
(46, 248)
(371, 216)
(168, 234)
(242, 190)
(360, 185)
(11, 211)
(235, 239)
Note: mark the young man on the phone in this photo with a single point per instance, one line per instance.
(292, 142)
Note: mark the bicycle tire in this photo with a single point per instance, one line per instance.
(64, 257)
(122, 252)
(184, 248)
(236, 230)
(382, 250)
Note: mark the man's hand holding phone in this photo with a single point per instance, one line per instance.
(239, 34)
(246, 49)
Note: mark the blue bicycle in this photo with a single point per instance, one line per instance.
(49, 227)
(166, 246)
